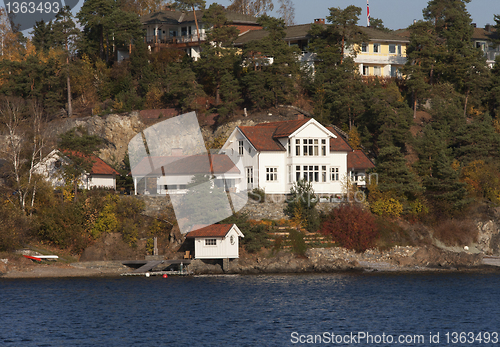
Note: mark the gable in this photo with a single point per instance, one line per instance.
(312, 129)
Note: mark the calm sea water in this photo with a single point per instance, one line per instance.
(267, 310)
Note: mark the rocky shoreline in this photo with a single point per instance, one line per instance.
(340, 259)
(316, 260)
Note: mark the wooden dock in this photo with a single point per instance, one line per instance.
(143, 267)
(491, 260)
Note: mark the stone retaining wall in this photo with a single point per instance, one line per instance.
(254, 210)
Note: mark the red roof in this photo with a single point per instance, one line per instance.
(99, 167)
(264, 136)
(338, 144)
(214, 230)
(261, 137)
(285, 128)
(358, 160)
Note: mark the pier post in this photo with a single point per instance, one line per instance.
(225, 264)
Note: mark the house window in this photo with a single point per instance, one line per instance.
(210, 242)
(364, 48)
(297, 147)
(354, 176)
(311, 173)
(323, 147)
(316, 148)
(334, 173)
(376, 47)
(289, 148)
(271, 174)
(376, 71)
(323, 173)
(399, 50)
(297, 173)
(249, 174)
(366, 70)
(240, 147)
(392, 49)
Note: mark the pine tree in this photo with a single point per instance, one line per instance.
(394, 175)
(443, 188)
(272, 66)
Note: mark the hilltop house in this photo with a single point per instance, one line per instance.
(101, 175)
(383, 55)
(276, 155)
(216, 241)
(484, 38)
(177, 29)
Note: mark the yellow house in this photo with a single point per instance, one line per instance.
(383, 55)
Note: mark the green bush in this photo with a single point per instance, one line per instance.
(301, 206)
(256, 236)
(297, 242)
(257, 194)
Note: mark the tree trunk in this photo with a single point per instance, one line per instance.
(70, 107)
(414, 106)
(197, 28)
(466, 100)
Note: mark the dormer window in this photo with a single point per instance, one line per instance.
(364, 48)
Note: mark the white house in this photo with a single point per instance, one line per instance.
(275, 155)
(216, 241)
(101, 175)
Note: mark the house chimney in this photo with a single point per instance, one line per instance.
(487, 27)
(176, 152)
(319, 21)
(474, 25)
(300, 116)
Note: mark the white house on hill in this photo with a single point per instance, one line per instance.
(101, 175)
(216, 241)
(275, 155)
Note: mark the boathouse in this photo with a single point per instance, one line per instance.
(216, 241)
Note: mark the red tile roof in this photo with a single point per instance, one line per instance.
(338, 144)
(285, 128)
(99, 167)
(261, 137)
(358, 160)
(264, 136)
(214, 230)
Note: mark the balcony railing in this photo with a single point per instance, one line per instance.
(151, 39)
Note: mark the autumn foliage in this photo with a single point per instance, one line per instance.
(351, 226)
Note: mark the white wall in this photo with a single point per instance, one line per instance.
(223, 249)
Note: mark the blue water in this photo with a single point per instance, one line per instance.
(267, 310)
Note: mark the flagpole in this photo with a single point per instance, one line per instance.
(367, 13)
